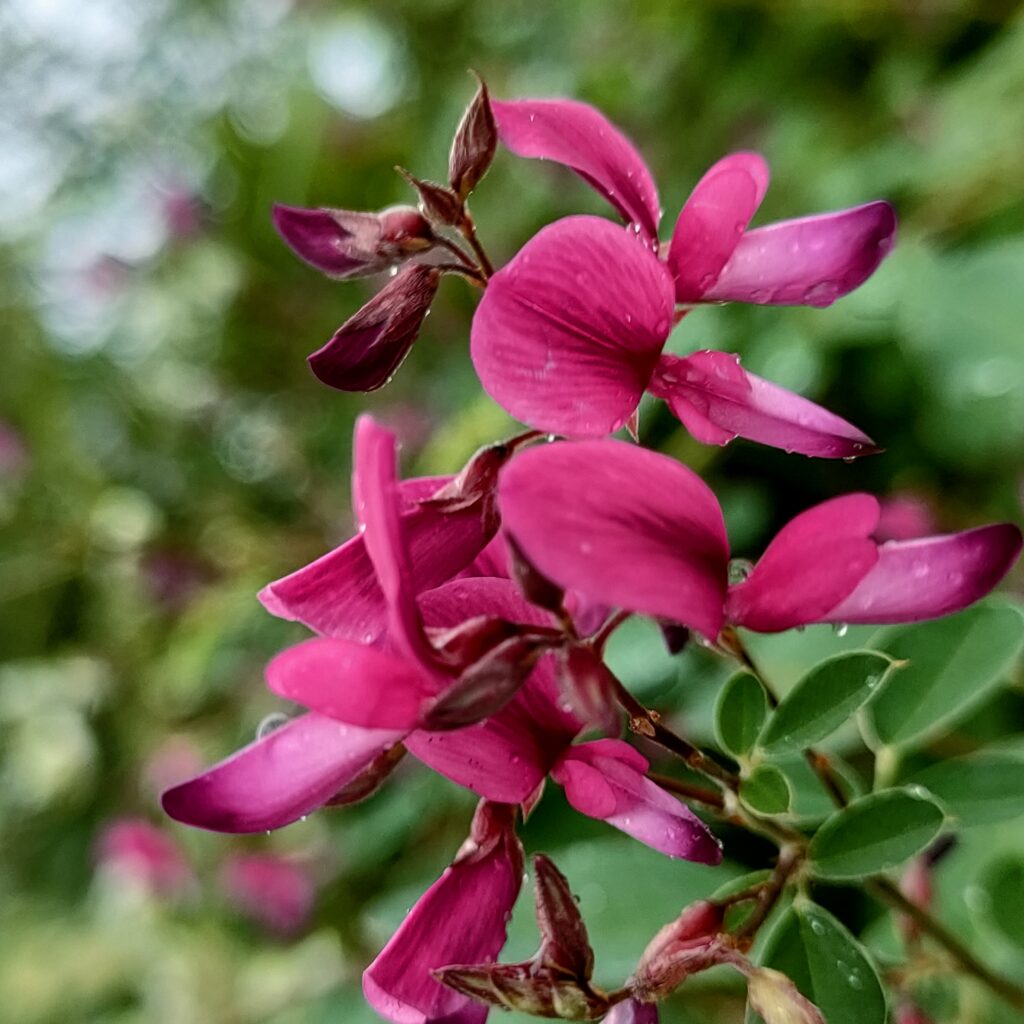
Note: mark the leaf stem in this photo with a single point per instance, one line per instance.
(468, 231)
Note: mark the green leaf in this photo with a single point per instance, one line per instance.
(875, 833)
(827, 964)
(811, 803)
(953, 664)
(824, 699)
(766, 790)
(980, 789)
(740, 713)
(1002, 900)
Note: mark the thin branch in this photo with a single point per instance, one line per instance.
(887, 892)
(699, 794)
(468, 230)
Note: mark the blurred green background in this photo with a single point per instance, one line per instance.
(164, 451)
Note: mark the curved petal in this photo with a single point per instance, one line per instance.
(717, 400)
(811, 261)
(931, 576)
(626, 527)
(567, 335)
(279, 778)
(582, 138)
(338, 594)
(814, 562)
(351, 682)
(364, 353)
(603, 782)
(461, 919)
(340, 243)
(378, 503)
(712, 222)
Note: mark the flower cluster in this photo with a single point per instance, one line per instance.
(465, 622)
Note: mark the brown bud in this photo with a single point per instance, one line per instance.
(686, 946)
(486, 686)
(525, 987)
(778, 1001)
(564, 941)
(370, 779)
(474, 145)
(438, 202)
(367, 349)
(468, 642)
(589, 687)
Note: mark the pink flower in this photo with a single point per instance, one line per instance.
(569, 335)
(273, 891)
(461, 918)
(639, 531)
(142, 852)
(712, 256)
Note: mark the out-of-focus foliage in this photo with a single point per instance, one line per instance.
(164, 451)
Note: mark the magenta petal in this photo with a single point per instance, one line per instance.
(626, 527)
(375, 486)
(814, 562)
(320, 238)
(713, 220)
(461, 919)
(931, 576)
(567, 335)
(279, 778)
(582, 138)
(811, 261)
(632, 1011)
(615, 790)
(368, 348)
(351, 683)
(338, 594)
(718, 400)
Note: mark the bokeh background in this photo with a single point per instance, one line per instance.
(164, 451)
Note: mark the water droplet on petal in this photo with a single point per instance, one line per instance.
(271, 723)
(840, 629)
(740, 570)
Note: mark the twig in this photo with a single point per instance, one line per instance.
(468, 230)
(887, 892)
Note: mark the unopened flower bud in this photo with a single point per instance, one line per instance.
(564, 941)
(535, 586)
(474, 145)
(367, 349)
(486, 686)
(778, 1001)
(686, 946)
(468, 642)
(589, 687)
(353, 243)
(438, 202)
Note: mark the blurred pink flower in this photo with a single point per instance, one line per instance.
(276, 892)
(138, 850)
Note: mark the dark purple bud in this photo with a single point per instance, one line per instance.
(564, 942)
(477, 482)
(535, 586)
(370, 779)
(778, 1001)
(589, 687)
(353, 243)
(474, 145)
(367, 349)
(527, 988)
(486, 686)
(688, 945)
(438, 202)
(468, 642)
(676, 637)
